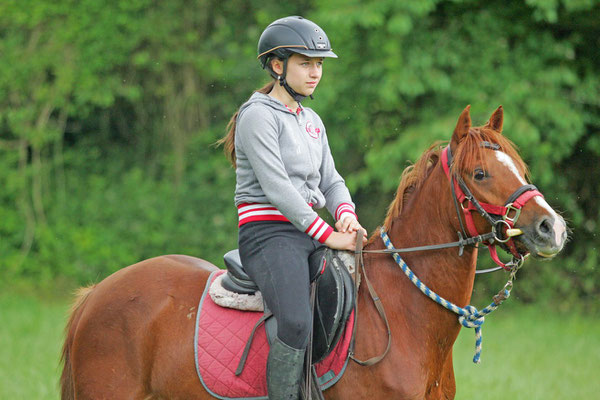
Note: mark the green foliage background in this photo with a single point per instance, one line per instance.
(108, 112)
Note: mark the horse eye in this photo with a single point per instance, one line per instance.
(479, 174)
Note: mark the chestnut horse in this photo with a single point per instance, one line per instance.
(130, 336)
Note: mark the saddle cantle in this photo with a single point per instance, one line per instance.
(334, 295)
(236, 280)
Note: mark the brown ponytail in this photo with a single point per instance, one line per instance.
(228, 141)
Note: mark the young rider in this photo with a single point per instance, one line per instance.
(284, 169)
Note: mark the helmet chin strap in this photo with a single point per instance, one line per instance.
(283, 82)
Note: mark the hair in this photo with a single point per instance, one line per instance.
(467, 154)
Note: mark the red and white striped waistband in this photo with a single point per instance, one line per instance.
(319, 229)
(259, 212)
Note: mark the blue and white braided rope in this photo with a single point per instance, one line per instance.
(469, 316)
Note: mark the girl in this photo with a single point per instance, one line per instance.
(284, 168)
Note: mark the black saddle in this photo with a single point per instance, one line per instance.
(237, 280)
(334, 296)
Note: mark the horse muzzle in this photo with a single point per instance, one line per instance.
(545, 237)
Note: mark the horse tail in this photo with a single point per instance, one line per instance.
(66, 378)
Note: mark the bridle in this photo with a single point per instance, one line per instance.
(501, 218)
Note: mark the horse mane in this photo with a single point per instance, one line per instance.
(468, 153)
(411, 180)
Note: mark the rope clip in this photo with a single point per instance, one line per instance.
(515, 264)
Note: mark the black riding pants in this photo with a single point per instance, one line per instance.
(275, 256)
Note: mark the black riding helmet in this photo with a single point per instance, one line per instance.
(292, 35)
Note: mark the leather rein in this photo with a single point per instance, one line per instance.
(501, 218)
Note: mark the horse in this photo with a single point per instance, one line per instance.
(129, 336)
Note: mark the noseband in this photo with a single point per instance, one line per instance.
(501, 218)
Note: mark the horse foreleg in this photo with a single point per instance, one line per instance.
(448, 383)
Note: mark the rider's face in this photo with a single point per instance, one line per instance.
(303, 73)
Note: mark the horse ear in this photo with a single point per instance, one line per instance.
(462, 127)
(496, 120)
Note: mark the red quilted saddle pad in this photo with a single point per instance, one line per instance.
(222, 333)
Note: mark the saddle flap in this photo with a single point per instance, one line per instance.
(334, 303)
(349, 299)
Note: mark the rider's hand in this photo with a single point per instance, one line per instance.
(348, 224)
(343, 241)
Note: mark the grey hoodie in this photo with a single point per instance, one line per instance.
(283, 159)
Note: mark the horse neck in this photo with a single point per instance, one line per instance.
(429, 217)
(423, 331)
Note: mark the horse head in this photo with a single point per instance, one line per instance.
(485, 168)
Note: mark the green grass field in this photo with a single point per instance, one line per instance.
(527, 353)
(530, 354)
(30, 345)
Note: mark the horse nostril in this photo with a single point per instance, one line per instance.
(545, 228)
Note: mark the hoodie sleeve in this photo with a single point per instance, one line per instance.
(337, 196)
(257, 134)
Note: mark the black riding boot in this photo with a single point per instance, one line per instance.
(284, 371)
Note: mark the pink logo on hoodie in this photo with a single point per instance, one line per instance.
(312, 131)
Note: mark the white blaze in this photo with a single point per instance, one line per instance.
(510, 164)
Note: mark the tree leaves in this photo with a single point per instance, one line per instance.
(124, 99)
